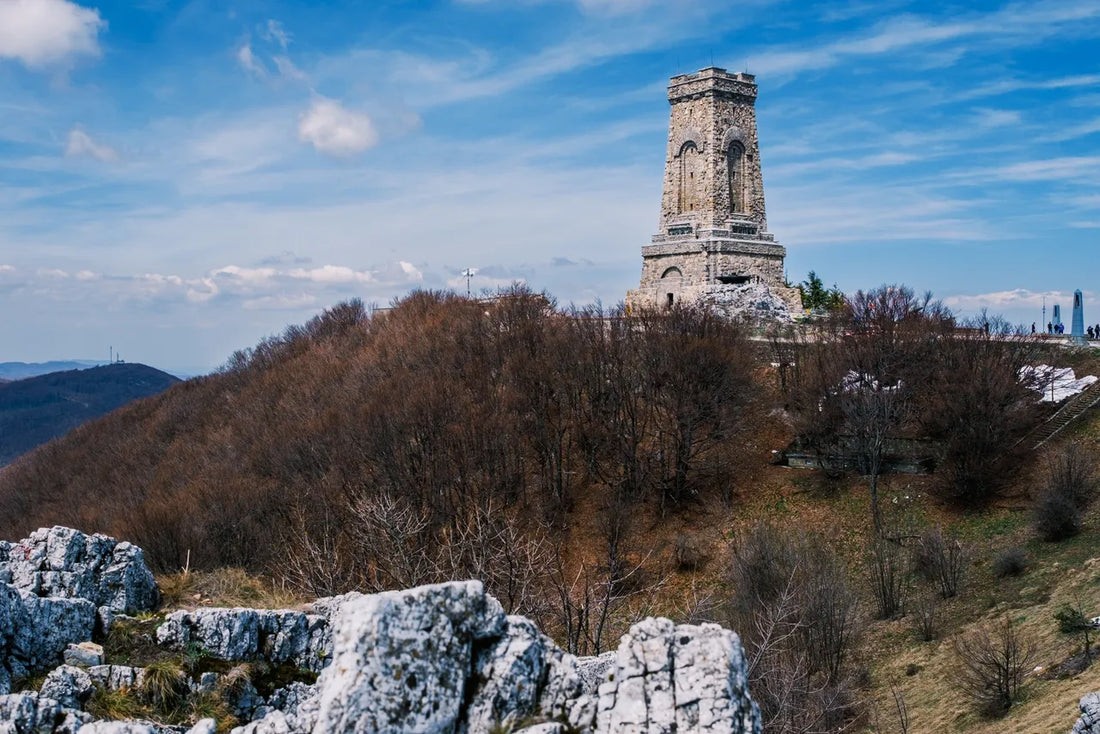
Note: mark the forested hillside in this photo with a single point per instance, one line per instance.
(592, 468)
(36, 409)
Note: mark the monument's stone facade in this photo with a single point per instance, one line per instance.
(713, 227)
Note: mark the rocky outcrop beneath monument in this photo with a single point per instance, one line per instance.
(441, 658)
(755, 301)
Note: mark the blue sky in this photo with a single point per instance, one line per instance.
(179, 179)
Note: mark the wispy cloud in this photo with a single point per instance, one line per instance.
(1012, 25)
(1007, 86)
(81, 144)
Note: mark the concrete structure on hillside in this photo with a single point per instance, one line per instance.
(713, 228)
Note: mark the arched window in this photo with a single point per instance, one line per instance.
(688, 161)
(735, 165)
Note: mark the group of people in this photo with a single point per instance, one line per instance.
(1092, 332)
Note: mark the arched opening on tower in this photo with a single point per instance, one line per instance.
(689, 161)
(735, 165)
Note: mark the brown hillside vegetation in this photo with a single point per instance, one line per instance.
(594, 468)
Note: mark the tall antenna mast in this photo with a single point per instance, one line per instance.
(469, 273)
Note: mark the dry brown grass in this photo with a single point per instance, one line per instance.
(224, 587)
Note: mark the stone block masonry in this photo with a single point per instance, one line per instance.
(713, 223)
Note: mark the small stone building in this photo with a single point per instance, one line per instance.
(713, 228)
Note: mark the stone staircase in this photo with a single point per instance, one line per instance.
(1073, 409)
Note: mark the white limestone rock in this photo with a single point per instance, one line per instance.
(292, 698)
(593, 670)
(34, 632)
(68, 685)
(754, 300)
(204, 726)
(116, 677)
(274, 723)
(47, 628)
(1089, 721)
(84, 654)
(507, 676)
(66, 563)
(549, 727)
(278, 636)
(401, 659)
(29, 713)
(563, 696)
(121, 727)
(683, 679)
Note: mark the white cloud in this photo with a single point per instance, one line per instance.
(276, 33)
(202, 290)
(1012, 85)
(596, 7)
(990, 118)
(245, 275)
(44, 32)
(1053, 169)
(249, 62)
(287, 69)
(332, 274)
(336, 131)
(81, 144)
(411, 271)
(1014, 25)
(7, 269)
(479, 283)
(1015, 299)
(284, 302)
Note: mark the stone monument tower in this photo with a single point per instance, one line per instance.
(713, 227)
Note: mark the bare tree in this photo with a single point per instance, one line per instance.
(800, 624)
(942, 560)
(900, 707)
(889, 563)
(991, 664)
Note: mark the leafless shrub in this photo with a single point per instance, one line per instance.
(888, 561)
(942, 560)
(1009, 562)
(800, 623)
(1071, 472)
(1055, 517)
(689, 552)
(925, 617)
(991, 663)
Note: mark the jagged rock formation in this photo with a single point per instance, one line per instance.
(34, 632)
(278, 637)
(754, 300)
(442, 658)
(61, 562)
(1089, 722)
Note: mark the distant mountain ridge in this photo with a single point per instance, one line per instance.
(23, 370)
(34, 410)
